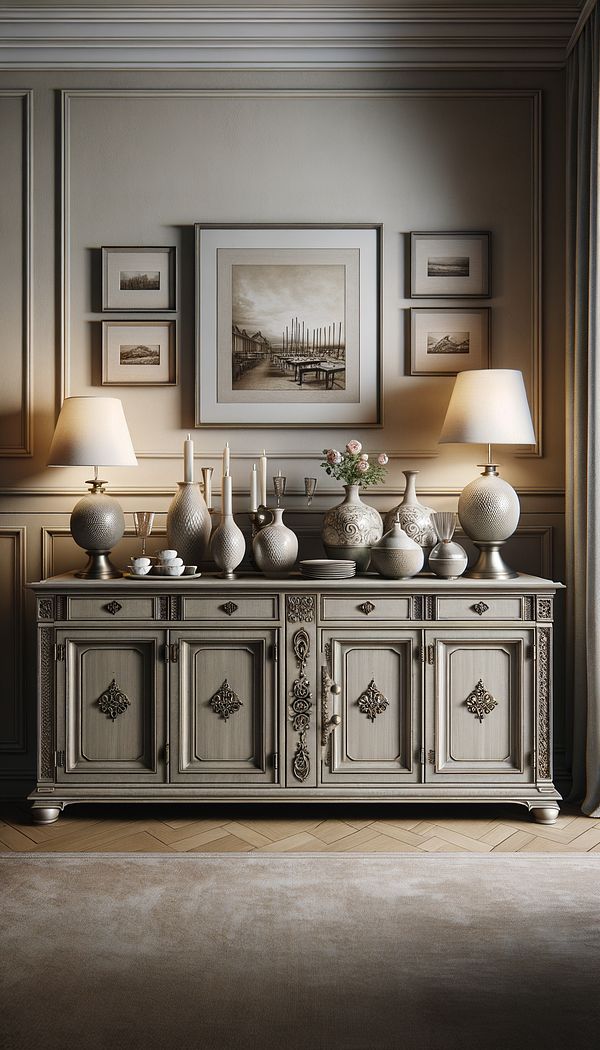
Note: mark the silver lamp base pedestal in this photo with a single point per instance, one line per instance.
(490, 564)
(99, 567)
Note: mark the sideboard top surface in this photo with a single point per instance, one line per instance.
(251, 581)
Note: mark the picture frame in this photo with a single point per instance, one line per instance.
(139, 279)
(288, 325)
(450, 265)
(445, 341)
(139, 353)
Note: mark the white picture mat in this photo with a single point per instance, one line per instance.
(116, 261)
(114, 335)
(475, 322)
(365, 408)
(473, 246)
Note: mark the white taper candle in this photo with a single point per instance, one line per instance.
(226, 458)
(262, 477)
(253, 489)
(188, 459)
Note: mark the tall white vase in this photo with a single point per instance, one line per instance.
(188, 524)
(227, 545)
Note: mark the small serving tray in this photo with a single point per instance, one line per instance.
(156, 576)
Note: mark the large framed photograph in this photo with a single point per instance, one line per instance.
(288, 325)
(444, 342)
(139, 353)
(139, 279)
(450, 265)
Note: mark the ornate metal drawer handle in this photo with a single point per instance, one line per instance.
(480, 608)
(113, 608)
(329, 724)
(480, 703)
(113, 701)
(225, 702)
(367, 608)
(372, 702)
(230, 608)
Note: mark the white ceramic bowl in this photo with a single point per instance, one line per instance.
(189, 570)
(140, 562)
(174, 570)
(166, 555)
(140, 570)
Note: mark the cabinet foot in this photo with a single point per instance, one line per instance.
(545, 814)
(45, 814)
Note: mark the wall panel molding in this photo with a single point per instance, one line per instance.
(12, 583)
(25, 307)
(404, 36)
(529, 97)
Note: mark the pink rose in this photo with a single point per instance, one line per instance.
(362, 465)
(334, 457)
(353, 447)
(365, 455)
(382, 459)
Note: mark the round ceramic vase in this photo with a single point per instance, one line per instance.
(275, 547)
(188, 523)
(351, 528)
(414, 517)
(397, 556)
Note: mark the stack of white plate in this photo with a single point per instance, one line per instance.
(328, 569)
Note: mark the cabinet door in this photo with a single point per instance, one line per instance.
(479, 704)
(111, 705)
(377, 694)
(223, 704)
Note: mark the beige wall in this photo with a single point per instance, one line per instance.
(413, 151)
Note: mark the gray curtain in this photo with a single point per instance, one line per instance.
(583, 419)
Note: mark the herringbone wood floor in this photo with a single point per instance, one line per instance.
(220, 829)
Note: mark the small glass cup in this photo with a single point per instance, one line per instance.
(310, 485)
(279, 487)
(143, 520)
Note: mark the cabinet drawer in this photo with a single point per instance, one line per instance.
(110, 609)
(231, 608)
(361, 608)
(480, 608)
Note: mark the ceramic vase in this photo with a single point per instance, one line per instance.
(414, 517)
(227, 546)
(447, 559)
(275, 547)
(188, 524)
(397, 556)
(351, 528)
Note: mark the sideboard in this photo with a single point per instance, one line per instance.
(293, 690)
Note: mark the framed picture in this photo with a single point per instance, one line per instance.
(139, 353)
(138, 279)
(446, 341)
(288, 325)
(449, 265)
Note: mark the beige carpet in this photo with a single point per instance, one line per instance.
(304, 952)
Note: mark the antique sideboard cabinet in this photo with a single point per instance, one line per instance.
(253, 689)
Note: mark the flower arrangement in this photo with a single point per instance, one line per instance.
(353, 466)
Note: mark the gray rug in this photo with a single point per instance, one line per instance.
(299, 952)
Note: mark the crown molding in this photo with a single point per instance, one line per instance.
(496, 36)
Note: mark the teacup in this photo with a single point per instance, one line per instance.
(140, 570)
(140, 562)
(171, 569)
(189, 570)
(167, 555)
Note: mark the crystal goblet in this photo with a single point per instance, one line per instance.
(143, 520)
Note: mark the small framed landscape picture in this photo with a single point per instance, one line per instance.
(444, 342)
(138, 279)
(139, 353)
(450, 265)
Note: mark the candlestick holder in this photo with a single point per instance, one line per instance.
(207, 473)
(279, 487)
(310, 487)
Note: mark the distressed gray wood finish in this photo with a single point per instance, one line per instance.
(310, 695)
(238, 745)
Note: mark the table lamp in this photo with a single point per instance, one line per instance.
(489, 406)
(92, 431)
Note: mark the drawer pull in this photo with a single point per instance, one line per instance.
(367, 608)
(230, 608)
(480, 608)
(480, 702)
(372, 702)
(113, 608)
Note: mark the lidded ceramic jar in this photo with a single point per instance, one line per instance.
(397, 556)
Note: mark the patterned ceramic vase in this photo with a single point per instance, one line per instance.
(188, 524)
(275, 547)
(447, 559)
(350, 529)
(397, 556)
(413, 516)
(227, 546)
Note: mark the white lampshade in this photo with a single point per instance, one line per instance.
(91, 431)
(488, 406)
